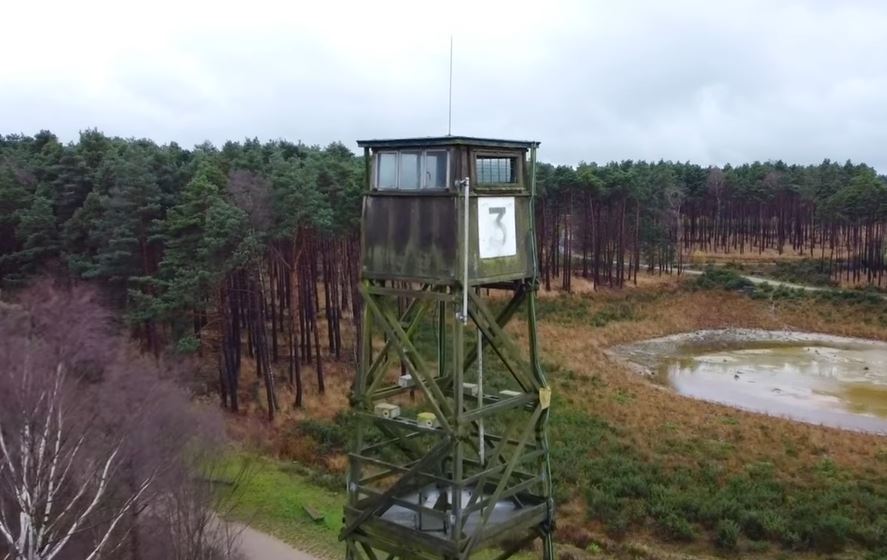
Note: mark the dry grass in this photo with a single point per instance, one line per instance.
(581, 348)
(750, 256)
(662, 308)
(659, 423)
(656, 423)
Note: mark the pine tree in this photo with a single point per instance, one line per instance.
(130, 214)
(14, 198)
(37, 231)
(204, 237)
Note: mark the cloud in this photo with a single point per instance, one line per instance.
(709, 82)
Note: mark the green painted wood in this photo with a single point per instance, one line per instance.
(494, 458)
(437, 141)
(502, 319)
(411, 238)
(416, 236)
(500, 487)
(414, 362)
(414, 313)
(387, 538)
(371, 554)
(379, 504)
(501, 343)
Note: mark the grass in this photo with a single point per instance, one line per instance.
(869, 304)
(275, 494)
(703, 500)
(786, 267)
(273, 502)
(640, 468)
(696, 476)
(809, 272)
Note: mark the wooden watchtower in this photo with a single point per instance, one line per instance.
(450, 453)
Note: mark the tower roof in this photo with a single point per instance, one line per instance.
(427, 141)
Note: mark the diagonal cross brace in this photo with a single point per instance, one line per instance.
(380, 503)
(502, 343)
(512, 464)
(414, 362)
(502, 319)
(417, 308)
(494, 458)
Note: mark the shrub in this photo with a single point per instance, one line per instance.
(675, 528)
(758, 546)
(721, 279)
(617, 525)
(727, 534)
(625, 491)
(803, 272)
(621, 311)
(830, 533)
(328, 436)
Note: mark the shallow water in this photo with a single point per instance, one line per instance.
(826, 380)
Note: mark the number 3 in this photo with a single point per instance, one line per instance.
(499, 211)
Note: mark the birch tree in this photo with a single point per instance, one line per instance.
(52, 490)
(96, 440)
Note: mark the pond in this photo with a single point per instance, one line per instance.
(821, 379)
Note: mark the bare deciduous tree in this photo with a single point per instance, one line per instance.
(97, 442)
(57, 488)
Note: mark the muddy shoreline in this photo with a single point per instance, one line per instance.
(646, 355)
(807, 377)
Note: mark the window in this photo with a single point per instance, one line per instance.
(435, 170)
(387, 171)
(496, 170)
(411, 170)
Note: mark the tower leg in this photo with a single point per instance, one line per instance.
(541, 428)
(548, 546)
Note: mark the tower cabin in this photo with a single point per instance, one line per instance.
(412, 212)
(450, 450)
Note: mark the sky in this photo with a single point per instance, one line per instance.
(704, 81)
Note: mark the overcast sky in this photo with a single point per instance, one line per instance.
(709, 81)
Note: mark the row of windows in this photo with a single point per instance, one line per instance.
(495, 170)
(427, 169)
(412, 170)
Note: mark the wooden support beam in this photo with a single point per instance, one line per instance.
(516, 466)
(424, 293)
(378, 505)
(502, 319)
(497, 494)
(502, 343)
(494, 457)
(398, 468)
(414, 362)
(376, 371)
(501, 405)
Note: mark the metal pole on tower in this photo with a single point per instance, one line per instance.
(450, 101)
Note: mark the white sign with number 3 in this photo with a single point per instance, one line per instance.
(496, 230)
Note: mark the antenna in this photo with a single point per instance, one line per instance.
(450, 102)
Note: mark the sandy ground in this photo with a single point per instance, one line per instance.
(648, 353)
(256, 545)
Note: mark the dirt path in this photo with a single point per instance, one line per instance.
(756, 280)
(761, 280)
(256, 545)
